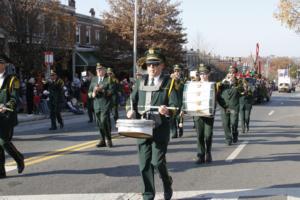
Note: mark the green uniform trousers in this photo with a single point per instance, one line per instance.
(90, 109)
(115, 112)
(174, 126)
(245, 111)
(8, 146)
(204, 128)
(55, 115)
(103, 122)
(230, 119)
(152, 156)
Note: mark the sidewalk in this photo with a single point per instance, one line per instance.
(24, 117)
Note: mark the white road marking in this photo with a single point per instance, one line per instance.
(10, 168)
(293, 197)
(236, 152)
(290, 193)
(271, 113)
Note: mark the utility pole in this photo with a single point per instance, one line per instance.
(135, 36)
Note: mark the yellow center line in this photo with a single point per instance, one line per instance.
(59, 152)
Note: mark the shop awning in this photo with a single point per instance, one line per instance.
(84, 59)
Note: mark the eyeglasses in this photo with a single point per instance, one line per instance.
(153, 64)
(203, 73)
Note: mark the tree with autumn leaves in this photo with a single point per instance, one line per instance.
(35, 26)
(288, 13)
(159, 26)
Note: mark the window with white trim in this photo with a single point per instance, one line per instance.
(88, 35)
(78, 34)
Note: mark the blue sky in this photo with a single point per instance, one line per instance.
(227, 27)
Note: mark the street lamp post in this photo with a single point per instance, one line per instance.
(135, 36)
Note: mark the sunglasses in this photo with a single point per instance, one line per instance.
(153, 64)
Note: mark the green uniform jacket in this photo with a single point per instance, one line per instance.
(161, 133)
(179, 86)
(8, 97)
(246, 97)
(115, 88)
(228, 96)
(103, 99)
(56, 96)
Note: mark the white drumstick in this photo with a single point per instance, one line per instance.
(157, 107)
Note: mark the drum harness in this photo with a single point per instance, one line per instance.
(151, 112)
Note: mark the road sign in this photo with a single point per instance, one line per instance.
(48, 58)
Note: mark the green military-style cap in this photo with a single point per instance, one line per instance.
(154, 56)
(99, 66)
(204, 68)
(109, 70)
(4, 59)
(176, 67)
(52, 72)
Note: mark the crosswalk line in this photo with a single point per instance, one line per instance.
(288, 193)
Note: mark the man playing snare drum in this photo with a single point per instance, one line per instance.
(154, 90)
(204, 125)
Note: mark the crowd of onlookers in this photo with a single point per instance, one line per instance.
(34, 94)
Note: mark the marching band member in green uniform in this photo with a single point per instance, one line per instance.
(154, 90)
(204, 126)
(116, 89)
(246, 101)
(55, 100)
(176, 121)
(228, 98)
(8, 118)
(101, 91)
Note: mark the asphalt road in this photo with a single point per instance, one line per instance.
(65, 164)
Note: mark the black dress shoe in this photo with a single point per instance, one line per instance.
(235, 140)
(208, 158)
(21, 165)
(200, 160)
(2, 172)
(109, 143)
(52, 128)
(229, 143)
(180, 133)
(169, 193)
(101, 144)
(174, 136)
(61, 125)
(2, 175)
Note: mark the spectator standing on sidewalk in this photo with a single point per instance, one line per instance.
(55, 100)
(8, 118)
(29, 95)
(86, 81)
(76, 85)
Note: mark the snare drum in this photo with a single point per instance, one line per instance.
(135, 128)
(199, 98)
